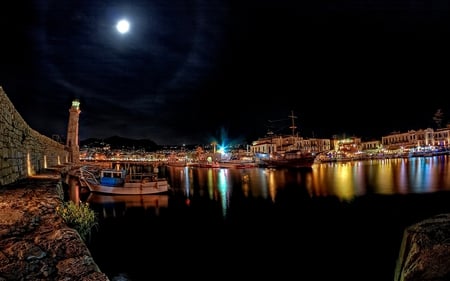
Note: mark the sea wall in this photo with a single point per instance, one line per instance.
(23, 151)
(35, 242)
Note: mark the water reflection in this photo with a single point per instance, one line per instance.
(117, 205)
(342, 180)
(317, 215)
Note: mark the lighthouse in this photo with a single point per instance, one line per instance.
(72, 132)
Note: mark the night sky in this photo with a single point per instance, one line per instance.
(197, 71)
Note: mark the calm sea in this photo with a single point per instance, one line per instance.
(336, 221)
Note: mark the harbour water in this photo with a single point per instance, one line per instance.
(336, 221)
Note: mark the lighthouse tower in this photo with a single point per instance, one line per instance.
(72, 132)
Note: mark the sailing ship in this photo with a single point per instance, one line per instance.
(289, 151)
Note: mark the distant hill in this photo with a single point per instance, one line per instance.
(117, 142)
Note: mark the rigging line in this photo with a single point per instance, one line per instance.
(278, 120)
(293, 127)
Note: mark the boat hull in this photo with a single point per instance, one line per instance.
(156, 187)
(295, 163)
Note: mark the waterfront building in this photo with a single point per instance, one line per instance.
(421, 140)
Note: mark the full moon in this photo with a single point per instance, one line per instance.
(123, 26)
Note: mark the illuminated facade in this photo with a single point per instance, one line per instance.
(420, 138)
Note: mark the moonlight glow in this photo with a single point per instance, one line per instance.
(123, 26)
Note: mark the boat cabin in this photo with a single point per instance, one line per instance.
(112, 177)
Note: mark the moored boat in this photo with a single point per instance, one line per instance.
(288, 151)
(120, 181)
(291, 159)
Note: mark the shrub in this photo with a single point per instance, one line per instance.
(79, 216)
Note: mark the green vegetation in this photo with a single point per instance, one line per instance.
(77, 216)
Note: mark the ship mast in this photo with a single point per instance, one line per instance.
(293, 127)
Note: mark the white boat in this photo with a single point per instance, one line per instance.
(119, 181)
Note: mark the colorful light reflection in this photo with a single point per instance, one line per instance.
(344, 181)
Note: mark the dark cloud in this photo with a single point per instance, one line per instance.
(195, 71)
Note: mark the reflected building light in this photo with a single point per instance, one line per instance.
(272, 191)
(210, 184)
(259, 185)
(414, 173)
(245, 184)
(423, 175)
(265, 189)
(223, 191)
(402, 182)
(318, 187)
(344, 182)
(271, 184)
(359, 183)
(309, 182)
(384, 178)
(190, 175)
(184, 176)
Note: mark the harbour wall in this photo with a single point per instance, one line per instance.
(35, 241)
(24, 151)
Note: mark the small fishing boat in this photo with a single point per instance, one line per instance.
(120, 181)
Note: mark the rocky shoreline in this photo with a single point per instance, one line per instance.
(35, 243)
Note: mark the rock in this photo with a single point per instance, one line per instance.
(425, 251)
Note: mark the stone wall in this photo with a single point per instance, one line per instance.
(35, 242)
(23, 151)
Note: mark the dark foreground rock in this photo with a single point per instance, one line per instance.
(425, 251)
(35, 243)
